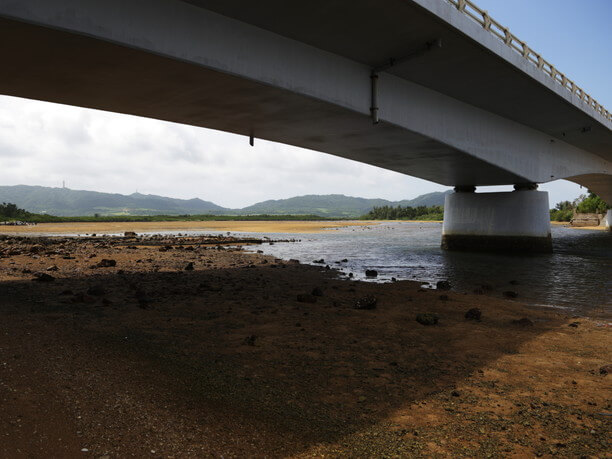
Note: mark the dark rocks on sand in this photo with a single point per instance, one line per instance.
(574, 324)
(371, 273)
(320, 261)
(366, 302)
(106, 263)
(524, 322)
(473, 314)
(306, 298)
(129, 234)
(427, 318)
(605, 370)
(43, 277)
(510, 294)
(189, 266)
(249, 340)
(317, 291)
(52, 268)
(443, 285)
(456, 393)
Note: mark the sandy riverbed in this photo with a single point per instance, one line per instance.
(241, 226)
(147, 359)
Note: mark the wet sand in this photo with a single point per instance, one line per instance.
(237, 358)
(152, 227)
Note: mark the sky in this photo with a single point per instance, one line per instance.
(46, 144)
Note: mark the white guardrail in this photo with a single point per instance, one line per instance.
(488, 23)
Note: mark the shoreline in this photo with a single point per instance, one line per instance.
(152, 227)
(245, 355)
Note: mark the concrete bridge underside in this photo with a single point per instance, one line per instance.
(472, 112)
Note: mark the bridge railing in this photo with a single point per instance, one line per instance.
(468, 8)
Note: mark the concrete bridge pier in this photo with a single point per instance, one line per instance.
(517, 221)
(608, 220)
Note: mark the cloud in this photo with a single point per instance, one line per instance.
(43, 144)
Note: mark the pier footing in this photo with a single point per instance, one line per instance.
(517, 221)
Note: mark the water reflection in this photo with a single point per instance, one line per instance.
(577, 275)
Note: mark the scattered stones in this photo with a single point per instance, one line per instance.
(43, 277)
(574, 324)
(189, 266)
(306, 298)
(510, 294)
(427, 318)
(317, 291)
(473, 314)
(344, 260)
(371, 273)
(366, 302)
(443, 285)
(53, 268)
(129, 234)
(320, 261)
(456, 393)
(524, 322)
(106, 263)
(249, 340)
(605, 370)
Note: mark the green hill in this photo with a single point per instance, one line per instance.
(66, 202)
(70, 203)
(336, 205)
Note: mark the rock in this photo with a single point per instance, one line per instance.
(189, 266)
(443, 285)
(306, 298)
(53, 268)
(43, 277)
(249, 340)
(344, 260)
(320, 261)
(605, 370)
(510, 294)
(106, 263)
(574, 324)
(366, 302)
(427, 318)
(456, 393)
(371, 273)
(393, 279)
(317, 291)
(129, 234)
(294, 261)
(350, 275)
(473, 314)
(96, 290)
(524, 322)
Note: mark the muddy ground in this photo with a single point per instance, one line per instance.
(139, 356)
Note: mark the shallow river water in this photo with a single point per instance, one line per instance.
(576, 276)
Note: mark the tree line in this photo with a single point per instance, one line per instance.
(405, 213)
(584, 204)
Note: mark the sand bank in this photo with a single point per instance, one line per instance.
(248, 356)
(241, 226)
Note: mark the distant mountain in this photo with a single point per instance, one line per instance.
(336, 205)
(67, 202)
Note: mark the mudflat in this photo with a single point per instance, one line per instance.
(241, 226)
(192, 347)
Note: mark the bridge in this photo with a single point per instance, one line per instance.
(435, 89)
